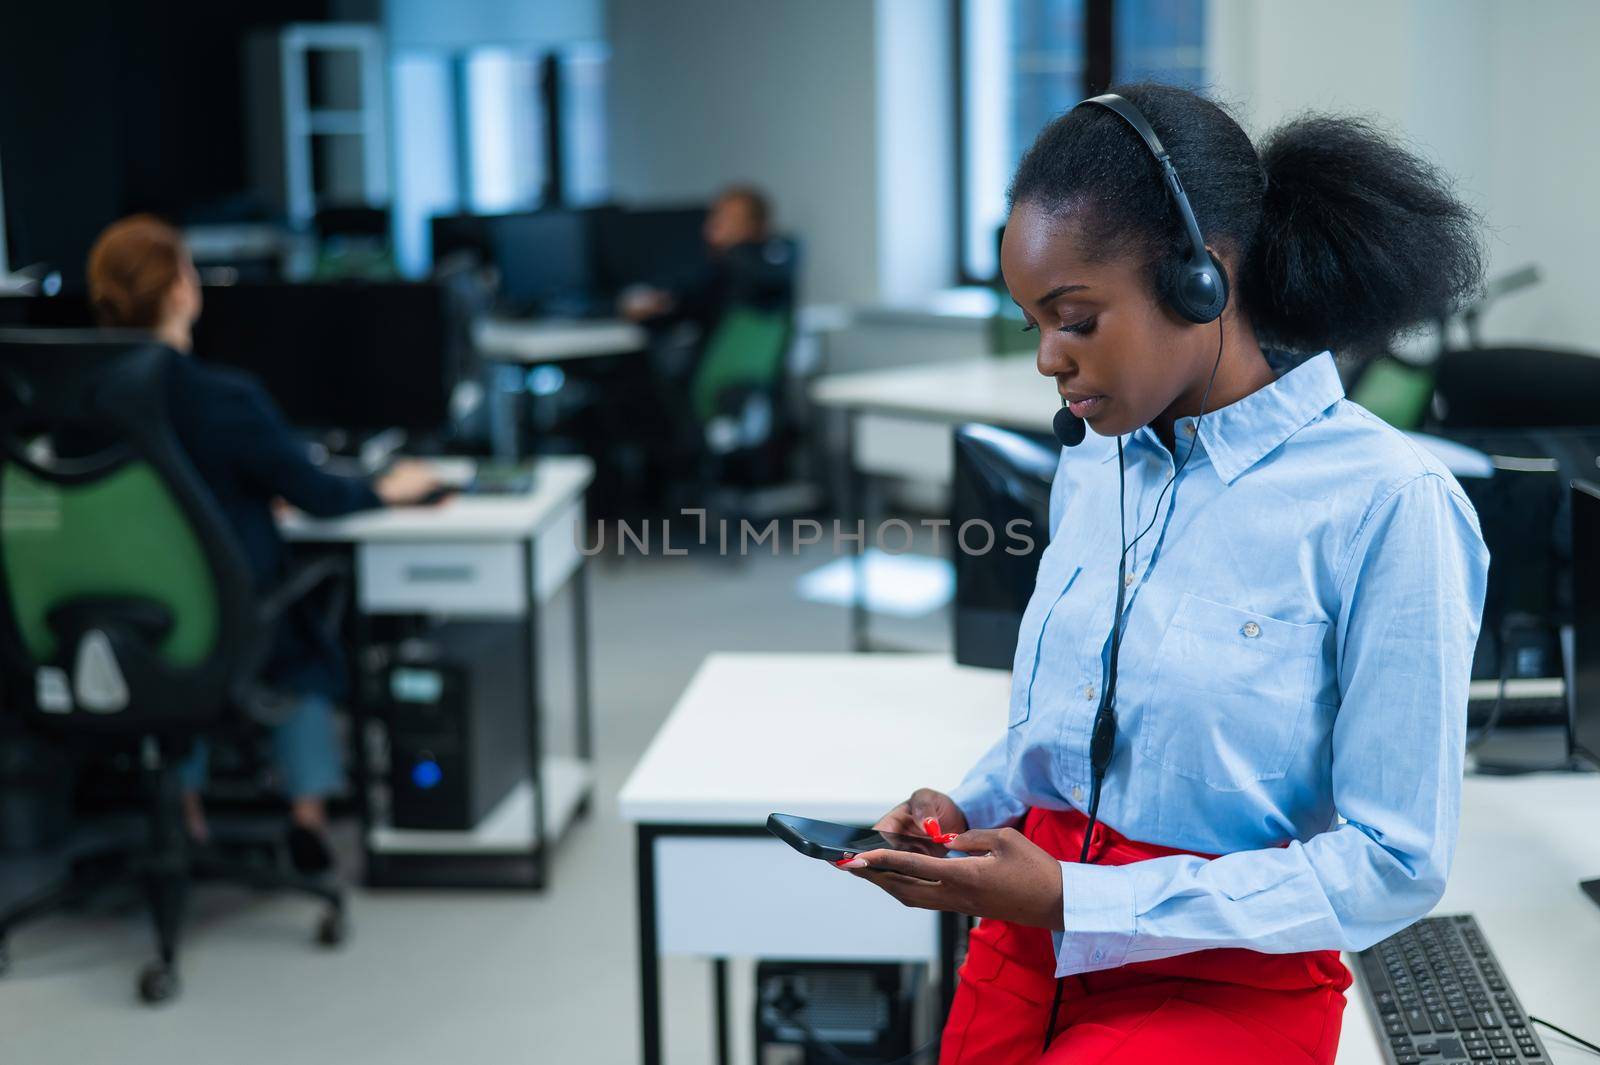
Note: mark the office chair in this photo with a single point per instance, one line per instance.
(739, 423)
(1485, 388)
(999, 477)
(128, 616)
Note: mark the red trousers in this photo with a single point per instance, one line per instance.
(1235, 1006)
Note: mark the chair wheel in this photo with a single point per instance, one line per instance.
(158, 983)
(331, 930)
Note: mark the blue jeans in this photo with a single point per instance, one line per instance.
(304, 751)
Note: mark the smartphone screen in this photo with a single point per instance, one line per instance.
(834, 842)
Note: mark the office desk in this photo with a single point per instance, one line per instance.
(532, 341)
(900, 419)
(1525, 843)
(483, 557)
(839, 737)
(757, 733)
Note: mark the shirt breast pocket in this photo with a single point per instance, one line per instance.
(1229, 692)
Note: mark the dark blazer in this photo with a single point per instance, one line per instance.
(247, 455)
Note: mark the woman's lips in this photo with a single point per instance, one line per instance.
(1085, 406)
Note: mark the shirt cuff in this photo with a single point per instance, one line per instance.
(1097, 908)
(984, 807)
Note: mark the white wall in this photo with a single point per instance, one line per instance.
(833, 106)
(1499, 94)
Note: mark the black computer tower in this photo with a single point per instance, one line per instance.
(822, 1013)
(457, 709)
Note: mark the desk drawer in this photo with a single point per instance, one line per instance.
(752, 896)
(487, 580)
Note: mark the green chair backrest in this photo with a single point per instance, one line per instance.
(1396, 392)
(747, 348)
(119, 535)
(1006, 333)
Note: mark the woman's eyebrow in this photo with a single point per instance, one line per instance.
(1056, 293)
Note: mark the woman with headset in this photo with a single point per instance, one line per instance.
(1236, 724)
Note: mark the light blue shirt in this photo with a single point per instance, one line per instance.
(1292, 690)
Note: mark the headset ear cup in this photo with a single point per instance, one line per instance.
(1202, 291)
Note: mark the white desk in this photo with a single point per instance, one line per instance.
(482, 557)
(901, 418)
(556, 340)
(1525, 843)
(757, 733)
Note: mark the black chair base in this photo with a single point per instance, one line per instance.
(164, 869)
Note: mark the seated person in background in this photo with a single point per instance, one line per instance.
(746, 266)
(141, 276)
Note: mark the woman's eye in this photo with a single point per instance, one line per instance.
(1030, 328)
(1080, 328)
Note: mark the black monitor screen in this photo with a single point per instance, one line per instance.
(546, 261)
(1586, 619)
(653, 246)
(361, 356)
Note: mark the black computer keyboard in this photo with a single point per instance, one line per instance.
(1440, 998)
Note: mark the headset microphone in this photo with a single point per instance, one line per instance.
(1068, 427)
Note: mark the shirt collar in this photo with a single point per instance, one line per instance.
(1238, 436)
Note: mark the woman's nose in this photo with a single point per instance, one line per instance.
(1052, 361)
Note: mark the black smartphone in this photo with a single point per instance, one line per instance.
(835, 843)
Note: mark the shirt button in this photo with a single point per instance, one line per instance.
(1088, 691)
(1251, 629)
(1127, 581)
(1188, 428)
(1077, 793)
(1099, 955)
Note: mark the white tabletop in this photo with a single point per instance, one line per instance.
(840, 737)
(556, 483)
(554, 340)
(1006, 391)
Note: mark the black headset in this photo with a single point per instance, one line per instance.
(1202, 288)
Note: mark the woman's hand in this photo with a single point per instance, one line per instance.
(908, 817)
(1009, 877)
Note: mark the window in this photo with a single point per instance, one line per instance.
(1023, 62)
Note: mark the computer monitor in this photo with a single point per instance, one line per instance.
(651, 246)
(67, 309)
(546, 261)
(460, 237)
(1517, 513)
(360, 356)
(1000, 477)
(1585, 671)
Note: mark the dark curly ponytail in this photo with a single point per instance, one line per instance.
(1346, 238)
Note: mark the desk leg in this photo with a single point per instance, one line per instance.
(530, 640)
(580, 644)
(649, 954)
(719, 979)
(951, 928)
(854, 490)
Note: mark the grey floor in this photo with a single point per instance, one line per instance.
(431, 976)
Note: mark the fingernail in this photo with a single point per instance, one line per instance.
(852, 863)
(930, 825)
